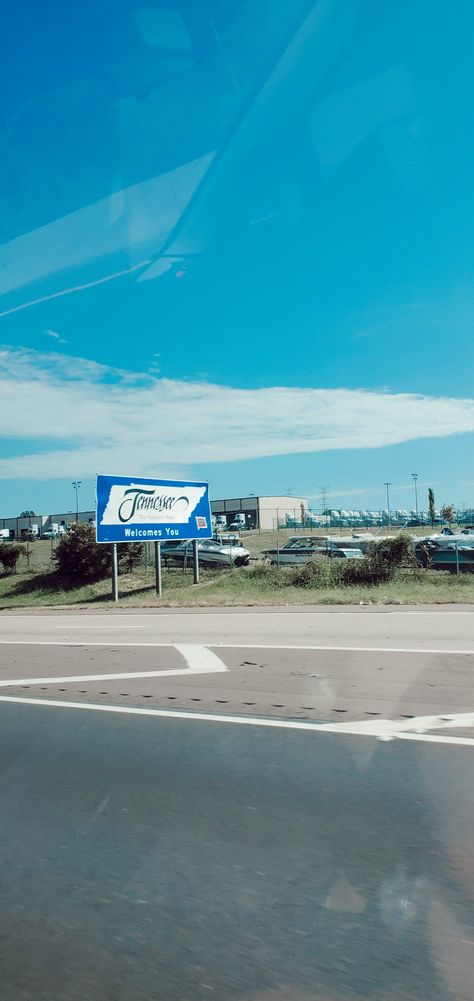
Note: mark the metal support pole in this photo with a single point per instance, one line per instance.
(414, 478)
(387, 487)
(196, 561)
(115, 593)
(158, 568)
(457, 556)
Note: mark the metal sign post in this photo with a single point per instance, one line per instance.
(159, 589)
(115, 591)
(196, 561)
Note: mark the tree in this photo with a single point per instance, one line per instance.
(9, 556)
(79, 555)
(431, 505)
(27, 514)
(448, 513)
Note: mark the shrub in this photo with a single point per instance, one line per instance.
(324, 572)
(130, 554)
(366, 572)
(9, 555)
(78, 554)
(395, 552)
(320, 572)
(273, 576)
(380, 565)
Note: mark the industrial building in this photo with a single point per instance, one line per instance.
(262, 512)
(36, 524)
(254, 512)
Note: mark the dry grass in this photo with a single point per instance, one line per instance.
(246, 587)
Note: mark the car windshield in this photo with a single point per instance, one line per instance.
(298, 544)
(236, 298)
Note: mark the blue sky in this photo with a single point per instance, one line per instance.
(237, 245)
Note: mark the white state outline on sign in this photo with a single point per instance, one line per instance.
(199, 659)
(387, 727)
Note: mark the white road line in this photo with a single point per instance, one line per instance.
(86, 643)
(385, 729)
(97, 677)
(279, 724)
(199, 659)
(242, 646)
(434, 738)
(328, 649)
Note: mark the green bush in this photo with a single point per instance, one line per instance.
(79, 555)
(366, 572)
(381, 564)
(273, 576)
(320, 572)
(325, 572)
(9, 555)
(395, 552)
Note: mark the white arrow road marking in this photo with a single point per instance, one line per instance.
(199, 659)
(385, 729)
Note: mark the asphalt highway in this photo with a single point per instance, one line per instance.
(160, 860)
(250, 806)
(427, 628)
(322, 665)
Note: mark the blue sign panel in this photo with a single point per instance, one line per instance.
(135, 509)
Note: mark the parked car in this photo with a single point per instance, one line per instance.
(49, 533)
(211, 554)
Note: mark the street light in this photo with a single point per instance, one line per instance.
(387, 485)
(414, 478)
(76, 484)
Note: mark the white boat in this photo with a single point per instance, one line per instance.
(446, 551)
(299, 549)
(211, 554)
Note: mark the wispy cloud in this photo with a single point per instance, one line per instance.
(114, 420)
(55, 336)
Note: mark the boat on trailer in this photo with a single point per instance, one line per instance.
(447, 551)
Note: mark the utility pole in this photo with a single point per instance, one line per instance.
(387, 487)
(414, 478)
(76, 484)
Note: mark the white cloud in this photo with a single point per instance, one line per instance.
(117, 421)
(55, 336)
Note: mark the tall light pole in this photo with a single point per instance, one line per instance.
(76, 484)
(387, 486)
(414, 478)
